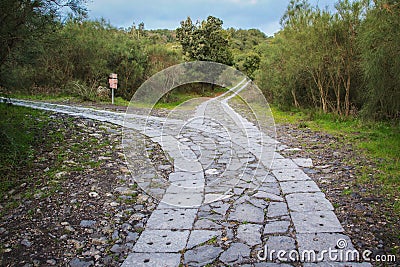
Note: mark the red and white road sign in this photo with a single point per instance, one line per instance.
(113, 81)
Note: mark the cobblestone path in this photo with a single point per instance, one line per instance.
(231, 199)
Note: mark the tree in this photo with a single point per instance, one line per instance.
(23, 19)
(204, 41)
(379, 42)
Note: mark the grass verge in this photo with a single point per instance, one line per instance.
(379, 142)
(20, 131)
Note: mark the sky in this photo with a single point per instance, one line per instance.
(167, 14)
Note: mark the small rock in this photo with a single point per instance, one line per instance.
(26, 243)
(126, 227)
(2, 230)
(87, 223)
(114, 204)
(51, 262)
(237, 253)
(131, 237)
(117, 248)
(115, 235)
(69, 228)
(75, 262)
(93, 194)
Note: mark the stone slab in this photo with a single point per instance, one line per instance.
(290, 175)
(277, 209)
(267, 196)
(276, 227)
(303, 202)
(324, 242)
(185, 176)
(283, 164)
(201, 256)
(172, 219)
(316, 222)
(235, 254)
(198, 237)
(161, 241)
(303, 162)
(277, 243)
(181, 200)
(247, 213)
(249, 234)
(152, 259)
(299, 187)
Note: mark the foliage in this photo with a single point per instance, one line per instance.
(379, 42)
(22, 20)
(19, 133)
(327, 60)
(205, 41)
(378, 142)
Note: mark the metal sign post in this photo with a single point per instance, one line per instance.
(113, 82)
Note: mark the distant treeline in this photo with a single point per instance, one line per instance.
(345, 61)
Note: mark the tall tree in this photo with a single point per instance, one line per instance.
(205, 41)
(379, 40)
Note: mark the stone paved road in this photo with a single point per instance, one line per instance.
(231, 196)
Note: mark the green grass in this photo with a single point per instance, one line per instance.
(119, 101)
(377, 141)
(44, 97)
(19, 131)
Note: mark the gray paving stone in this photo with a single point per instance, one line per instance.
(172, 219)
(222, 208)
(206, 224)
(272, 188)
(161, 241)
(283, 164)
(181, 190)
(260, 203)
(308, 202)
(183, 200)
(290, 175)
(247, 213)
(316, 222)
(185, 176)
(152, 259)
(278, 243)
(299, 187)
(237, 253)
(190, 184)
(277, 209)
(201, 256)
(249, 234)
(303, 162)
(279, 227)
(268, 196)
(213, 197)
(198, 237)
(324, 242)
